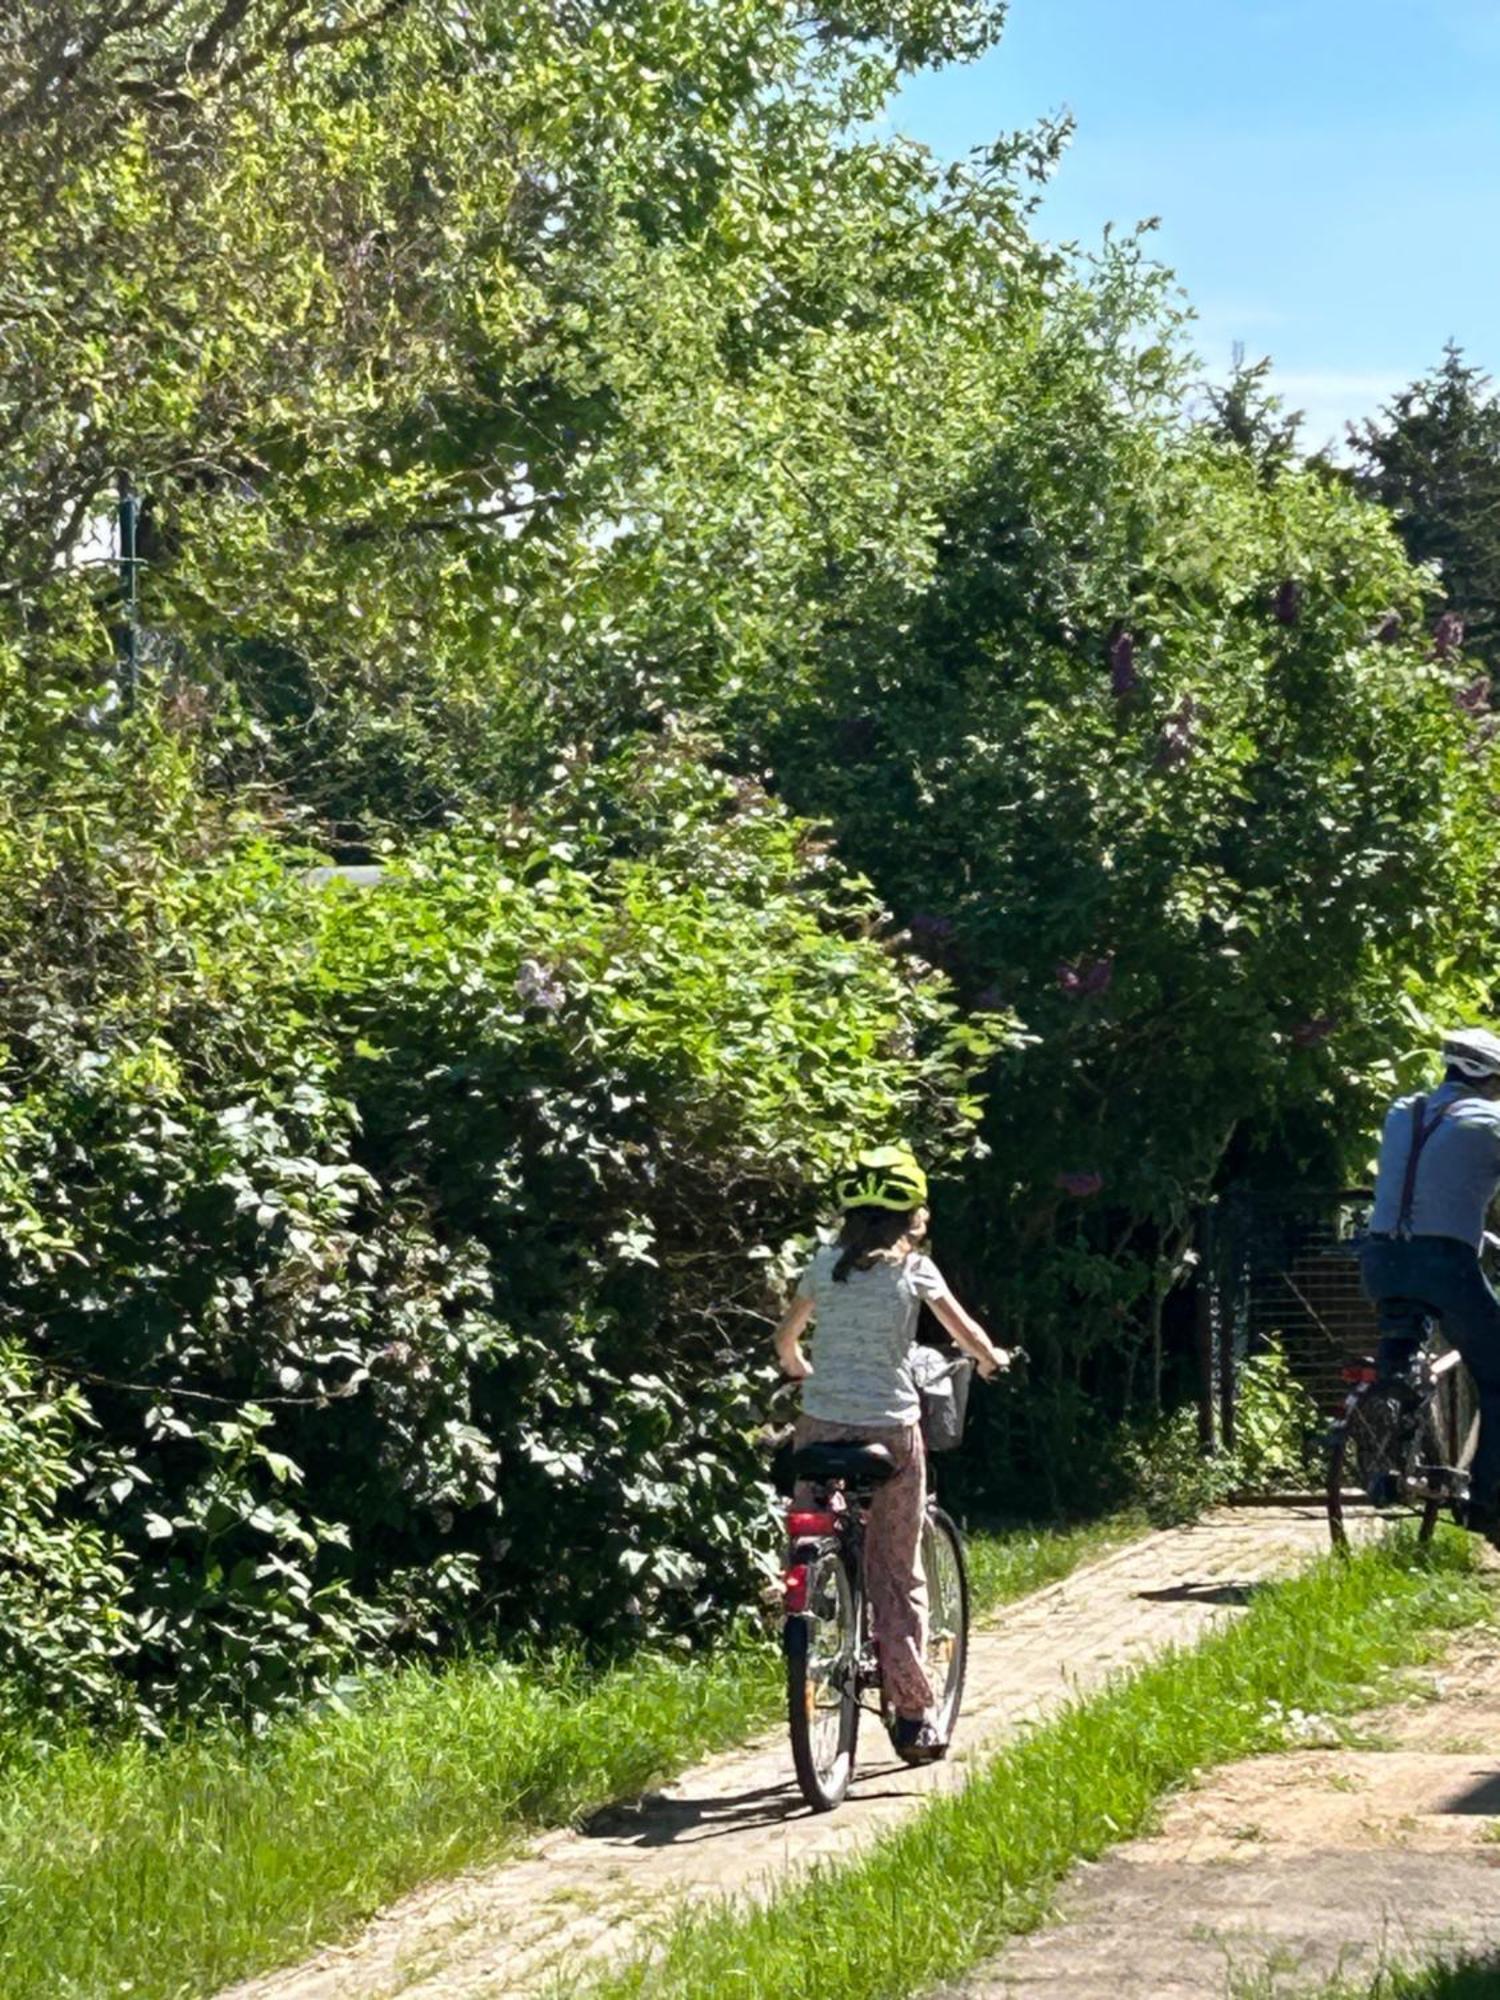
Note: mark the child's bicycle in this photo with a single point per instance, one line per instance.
(1403, 1443)
(832, 1650)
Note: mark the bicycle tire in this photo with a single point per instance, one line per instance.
(822, 1681)
(1449, 1433)
(1367, 1449)
(947, 1577)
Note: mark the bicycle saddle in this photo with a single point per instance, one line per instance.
(858, 1464)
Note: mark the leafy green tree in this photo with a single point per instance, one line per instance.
(1142, 764)
(412, 324)
(1433, 458)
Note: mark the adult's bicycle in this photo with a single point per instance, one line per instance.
(832, 1649)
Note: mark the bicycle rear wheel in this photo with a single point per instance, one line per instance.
(1377, 1451)
(947, 1617)
(822, 1681)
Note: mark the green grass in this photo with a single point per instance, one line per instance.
(946, 1889)
(1007, 1563)
(179, 1867)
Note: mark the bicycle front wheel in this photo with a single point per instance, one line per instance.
(822, 1681)
(947, 1617)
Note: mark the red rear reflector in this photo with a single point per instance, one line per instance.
(808, 1521)
(794, 1582)
(1365, 1374)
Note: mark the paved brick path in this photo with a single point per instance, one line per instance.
(1281, 1874)
(737, 1823)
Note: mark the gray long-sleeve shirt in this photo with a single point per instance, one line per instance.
(1458, 1171)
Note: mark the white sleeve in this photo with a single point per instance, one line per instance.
(927, 1281)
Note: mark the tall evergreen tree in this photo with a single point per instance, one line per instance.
(1246, 413)
(1433, 457)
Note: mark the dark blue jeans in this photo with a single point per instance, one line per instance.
(1418, 1277)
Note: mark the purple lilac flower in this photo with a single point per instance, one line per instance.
(1475, 698)
(1096, 975)
(1448, 636)
(1080, 1184)
(1388, 631)
(927, 929)
(1088, 977)
(537, 987)
(1308, 1034)
(1289, 602)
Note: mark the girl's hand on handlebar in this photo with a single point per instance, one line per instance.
(999, 1361)
(796, 1366)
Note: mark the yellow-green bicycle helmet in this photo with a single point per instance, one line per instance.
(884, 1177)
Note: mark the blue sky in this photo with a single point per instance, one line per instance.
(1327, 175)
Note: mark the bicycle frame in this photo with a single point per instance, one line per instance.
(840, 1525)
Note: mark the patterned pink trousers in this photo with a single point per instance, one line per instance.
(893, 1557)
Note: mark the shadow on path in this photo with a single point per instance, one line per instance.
(660, 1821)
(1203, 1593)
(1482, 1799)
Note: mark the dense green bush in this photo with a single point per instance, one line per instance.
(65, 1631)
(413, 1246)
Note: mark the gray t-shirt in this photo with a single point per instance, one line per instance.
(1457, 1173)
(863, 1333)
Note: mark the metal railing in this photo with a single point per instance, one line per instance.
(1280, 1266)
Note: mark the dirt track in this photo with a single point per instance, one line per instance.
(737, 1824)
(1280, 1874)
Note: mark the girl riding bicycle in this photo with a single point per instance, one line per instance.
(865, 1294)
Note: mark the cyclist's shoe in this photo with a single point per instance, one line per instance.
(916, 1741)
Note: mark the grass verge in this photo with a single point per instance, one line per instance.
(170, 1870)
(945, 1890)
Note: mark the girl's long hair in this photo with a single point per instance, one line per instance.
(872, 1236)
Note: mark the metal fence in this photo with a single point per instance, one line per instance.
(1280, 1266)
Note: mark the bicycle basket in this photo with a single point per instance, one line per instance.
(943, 1388)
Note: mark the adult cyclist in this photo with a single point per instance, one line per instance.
(1439, 1172)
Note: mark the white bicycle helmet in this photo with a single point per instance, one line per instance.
(1473, 1052)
